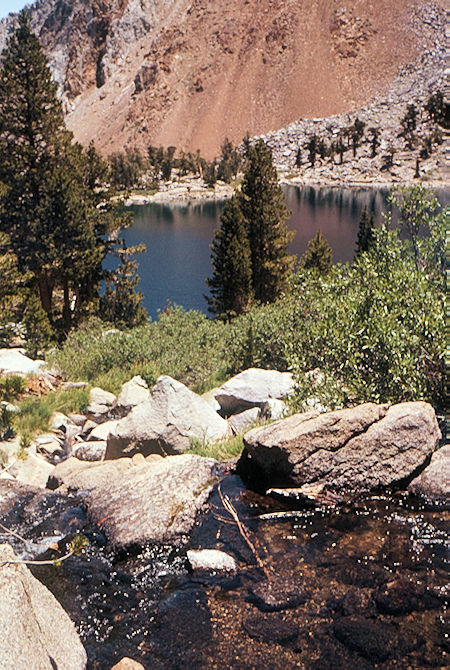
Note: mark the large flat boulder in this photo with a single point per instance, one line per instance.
(349, 451)
(166, 423)
(136, 501)
(35, 631)
(434, 482)
(253, 388)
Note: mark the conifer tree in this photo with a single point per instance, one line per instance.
(366, 235)
(318, 255)
(264, 209)
(231, 283)
(55, 210)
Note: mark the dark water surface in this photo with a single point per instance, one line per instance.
(178, 237)
(353, 588)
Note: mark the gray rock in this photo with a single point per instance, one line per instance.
(140, 501)
(100, 402)
(434, 482)
(102, 431)
(35, 631)
(14, 361)
(211, 559)
(345, 452)
(245, 419)
(60, 421)
(253, 388)
(77, 419)
(274, 409)
(33, 470)
(88, 427)
(166, 423)
(132, 393)
(90, 451)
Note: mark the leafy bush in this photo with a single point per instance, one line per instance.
(375, 329)
(185, 345)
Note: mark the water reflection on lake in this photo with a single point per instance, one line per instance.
(178, 238)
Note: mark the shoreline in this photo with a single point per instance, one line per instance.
(196, 192)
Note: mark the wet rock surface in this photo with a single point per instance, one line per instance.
(372, 577)
(136, 501)
(434, 482)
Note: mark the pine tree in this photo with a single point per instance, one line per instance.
(318, 255)
(231, 283)
(264, 209)
(121, 304)
(366, 235)
(55, 210)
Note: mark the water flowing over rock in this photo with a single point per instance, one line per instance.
(434, 482)
(253, 388)
(166, 423)
(136, 501)
(35, 631)
(346, 452)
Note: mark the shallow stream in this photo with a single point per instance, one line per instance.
(362, 586)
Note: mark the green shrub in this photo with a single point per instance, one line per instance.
(11, 387)
(185, 345)
(221, 451)
(35, 412)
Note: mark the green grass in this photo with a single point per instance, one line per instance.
(221, 451)
(35, 413)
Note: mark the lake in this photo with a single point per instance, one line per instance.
(178, 238)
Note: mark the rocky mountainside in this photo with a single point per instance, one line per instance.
(189, 72)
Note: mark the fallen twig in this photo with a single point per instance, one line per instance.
(11, 532)
(243, 531)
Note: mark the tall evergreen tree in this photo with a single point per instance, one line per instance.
(366, 235)
(55, 211)
(264, 209)
(231, 283)
(318, 255)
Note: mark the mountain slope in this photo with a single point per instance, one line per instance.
(189, 72)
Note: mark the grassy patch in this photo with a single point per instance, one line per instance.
(221, 451)
(35, 413)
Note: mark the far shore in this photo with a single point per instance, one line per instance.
(196, 191)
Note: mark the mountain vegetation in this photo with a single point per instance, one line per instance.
(250, 248)
(58, 220)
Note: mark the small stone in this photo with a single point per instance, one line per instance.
(211, 559)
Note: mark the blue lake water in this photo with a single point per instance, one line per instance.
(178, 237)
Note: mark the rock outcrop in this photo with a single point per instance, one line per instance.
(35, 631)
(350, 451)
(166, 423)
(253, 388)
(251, 66)
(434, 482)
(136, 501)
